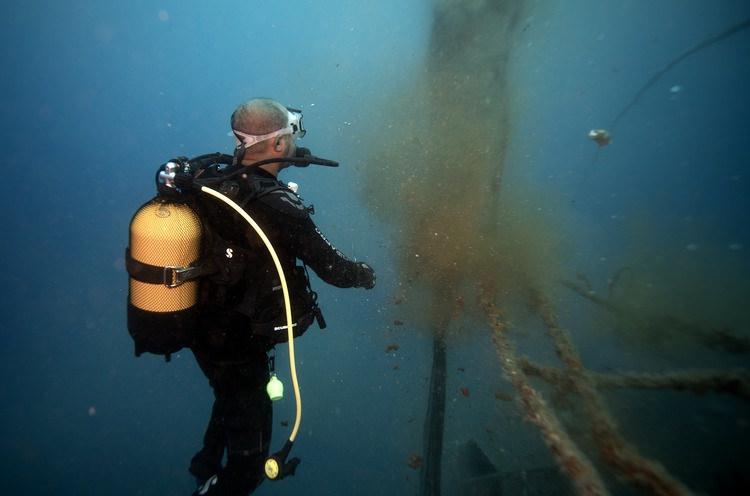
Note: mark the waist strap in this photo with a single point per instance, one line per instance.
(170, 276)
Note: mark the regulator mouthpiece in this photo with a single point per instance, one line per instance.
(304, 157)
(275, 388)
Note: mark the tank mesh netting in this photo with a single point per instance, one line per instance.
(165, 235)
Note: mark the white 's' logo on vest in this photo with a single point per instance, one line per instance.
(230, 253)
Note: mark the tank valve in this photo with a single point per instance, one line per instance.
(171, 169)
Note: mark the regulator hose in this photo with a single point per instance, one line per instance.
(276, 466)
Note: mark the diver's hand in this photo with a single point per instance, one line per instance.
(366, 276)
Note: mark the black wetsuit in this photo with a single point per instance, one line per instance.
(242, 305)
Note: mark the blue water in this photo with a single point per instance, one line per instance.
(95, 95)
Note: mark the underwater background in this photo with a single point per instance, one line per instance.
(466, 175)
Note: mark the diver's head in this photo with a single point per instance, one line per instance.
(265, 129)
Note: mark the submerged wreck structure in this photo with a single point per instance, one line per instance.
(469, 245)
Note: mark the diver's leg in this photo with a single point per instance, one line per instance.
(248, 417)
(248, 441)
(207, 461)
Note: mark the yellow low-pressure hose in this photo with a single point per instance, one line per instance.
(287, 303)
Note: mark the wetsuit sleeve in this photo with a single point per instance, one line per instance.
(327, 261)
(284, 209)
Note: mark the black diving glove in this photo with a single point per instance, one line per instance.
(366, 276)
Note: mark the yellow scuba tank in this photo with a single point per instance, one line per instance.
(165, 245)
(165, 235)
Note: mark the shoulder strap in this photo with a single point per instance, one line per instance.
(285, 201)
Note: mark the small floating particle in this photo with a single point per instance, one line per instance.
(284, 423)
(503, 396)
(461, 369)
(735, 246)
(398, 322)
(465, 391)
(395, 367)
(600, 136)
(391, 347)
(92, 411)
(397, 301)
(415, 461)
(675, 89)
(691, 247)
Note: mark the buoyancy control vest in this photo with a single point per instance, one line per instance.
(246, 282)
(181, 261)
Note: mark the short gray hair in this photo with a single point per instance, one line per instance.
(259, 116)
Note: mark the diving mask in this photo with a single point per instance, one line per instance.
(294, 127)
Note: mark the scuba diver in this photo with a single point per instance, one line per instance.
(241, 311)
